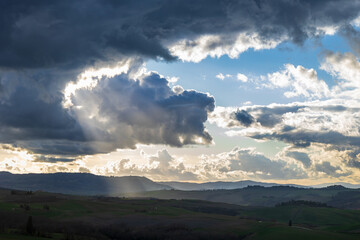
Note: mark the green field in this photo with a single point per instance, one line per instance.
(57, 216)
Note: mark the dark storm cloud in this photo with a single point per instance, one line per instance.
(61, 148)
(136, 111)
(143, 111)
(132, 43)
(27, 121)
(270, 19)
(353, 38)
(38, 34)
(36, 118)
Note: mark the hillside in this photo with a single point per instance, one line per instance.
(336, 196)
(245, 194)
(58, 216)
(186, 186)
(78, 183)
(344, 184)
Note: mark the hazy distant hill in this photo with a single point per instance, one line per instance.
(336, 196)
(347, 185)
(78, 183)
(267, 194)
(185, 186)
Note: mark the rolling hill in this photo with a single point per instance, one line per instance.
(78, 183)
(59, 216)
(335, 196)
(247, 193)
(186, 186)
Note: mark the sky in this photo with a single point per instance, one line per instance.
(182, 90)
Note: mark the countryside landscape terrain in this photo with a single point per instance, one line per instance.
(157, 211)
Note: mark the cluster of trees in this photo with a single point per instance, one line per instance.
(213, 210)
(35, 226)
(122, 232)
(302, 203)
(25, 206)
(16, 192)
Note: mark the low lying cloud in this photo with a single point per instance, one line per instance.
(161, 166)
(239, 163)
(246, 163)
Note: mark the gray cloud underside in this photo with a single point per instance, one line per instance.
(244, 118)
(330, 170)
(270, 117)
(305, 138)
(300, 156)
(143, 111)
(266, 116)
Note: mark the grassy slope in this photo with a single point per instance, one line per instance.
(261, 196)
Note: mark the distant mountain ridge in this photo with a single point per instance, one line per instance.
(344, 184)
(78, 183)
(334, 196)
(186, 186)
(90, 184)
